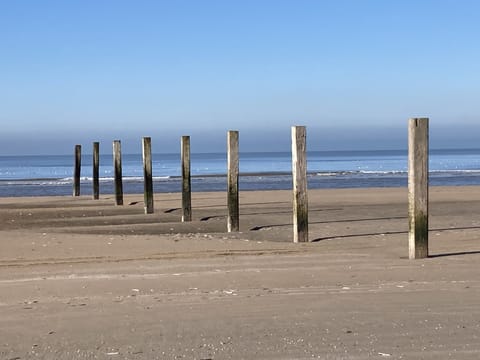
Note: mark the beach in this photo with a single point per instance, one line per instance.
(85, 279)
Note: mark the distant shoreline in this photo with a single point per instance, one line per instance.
(203, 153)
(41, 176)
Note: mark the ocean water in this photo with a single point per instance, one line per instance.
(52, 175)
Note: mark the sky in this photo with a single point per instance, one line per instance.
(351, 71)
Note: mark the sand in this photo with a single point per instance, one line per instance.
(84, 279)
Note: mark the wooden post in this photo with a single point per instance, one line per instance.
(233, 221)
(299, 174)
(186, 180)
(418, 188)
(147, 175)
(76, 171)
(117, 165)
(95, 170)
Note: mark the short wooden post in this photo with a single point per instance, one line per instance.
(76, 171)
(233, 217)
(117, 164)
(186, 180)
(299, 174)
(95, 171)
(147, 175)
(418, 188)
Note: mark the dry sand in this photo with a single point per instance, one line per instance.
(84, 279)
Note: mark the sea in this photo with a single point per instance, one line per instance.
(41, 175)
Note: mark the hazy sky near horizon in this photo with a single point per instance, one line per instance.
(352, 71)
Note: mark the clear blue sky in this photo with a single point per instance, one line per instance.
(352, 71)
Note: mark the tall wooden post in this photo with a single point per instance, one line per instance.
(299, 172)
(186, 180)
(418, 188)
(76, 171)
(117, 165)
(233, 217)
(147, 175)
(95, 170)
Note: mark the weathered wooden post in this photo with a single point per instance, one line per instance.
(186, 180)
(418, 188)
(233, 217)
(299, 174)
(117, 165)
(147, 175)
(95, 171)
(76, 171)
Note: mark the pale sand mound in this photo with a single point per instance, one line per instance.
(86, 279)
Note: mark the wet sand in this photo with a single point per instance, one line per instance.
(84, 279)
